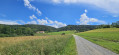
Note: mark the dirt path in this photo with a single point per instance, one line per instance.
(85, 47)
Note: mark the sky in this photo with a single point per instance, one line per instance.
(59, 13)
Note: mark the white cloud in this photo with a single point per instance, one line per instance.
(32, 22)
(85, 20)
(33, 17)
(42, 21)
(27, 4)
(108, 5)
(56, 1)
(52, 23)
(49, 22)
(57, 24)
(9, 22)
(86, 11)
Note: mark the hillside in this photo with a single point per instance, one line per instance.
(79, 28)
(31, 29)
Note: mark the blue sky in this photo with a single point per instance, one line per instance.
(59, 13)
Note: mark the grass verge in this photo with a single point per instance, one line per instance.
(108, 38)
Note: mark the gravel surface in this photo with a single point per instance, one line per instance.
(85, 47)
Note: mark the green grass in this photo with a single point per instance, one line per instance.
(55, 33)
(70, 48)
(108, 38)
(49, 45)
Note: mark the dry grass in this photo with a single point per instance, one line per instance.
(7, 41)
(38, 45)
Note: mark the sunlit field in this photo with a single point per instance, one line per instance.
(7, 41)
(107, 37)
(55, 33)
(38, 45)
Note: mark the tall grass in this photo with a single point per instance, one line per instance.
(108, 38)
(47, 45)
(7, 41)
(54, 33)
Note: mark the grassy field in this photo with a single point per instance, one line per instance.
(108, 38)
(8, 41)
(55, 33)
(38, 45)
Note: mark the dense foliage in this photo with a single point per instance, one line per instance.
(116, 25)
(25, 30)
(79, 28)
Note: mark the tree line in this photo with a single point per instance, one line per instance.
(113, 25)
(78, 28)
(23, 30)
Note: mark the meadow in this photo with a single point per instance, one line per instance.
(55, 33)
(38, 45)
(106, 37)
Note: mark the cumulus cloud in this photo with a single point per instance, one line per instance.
(108, 5)
(46, 21)
(85, 20)
(33, 17)
(9, 22)
(86, 11)
(52, 23)
(32, 22)
(56, 1)
(57, 24)
(28, 4)
(42, 21)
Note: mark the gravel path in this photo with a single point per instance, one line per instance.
(85, 47)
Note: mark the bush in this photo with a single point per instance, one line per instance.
(4, 35)
(63, 34)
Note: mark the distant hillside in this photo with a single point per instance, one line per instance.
(24, 30)
(79, 28)
(36, 27)
(30, 29)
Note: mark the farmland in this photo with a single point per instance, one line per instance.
(38, 45)
(106, 37)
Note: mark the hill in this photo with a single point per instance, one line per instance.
(31, 29)
(24, 30)
(79, 28)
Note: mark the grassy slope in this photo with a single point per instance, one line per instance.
(108, 38)
(53, 44)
